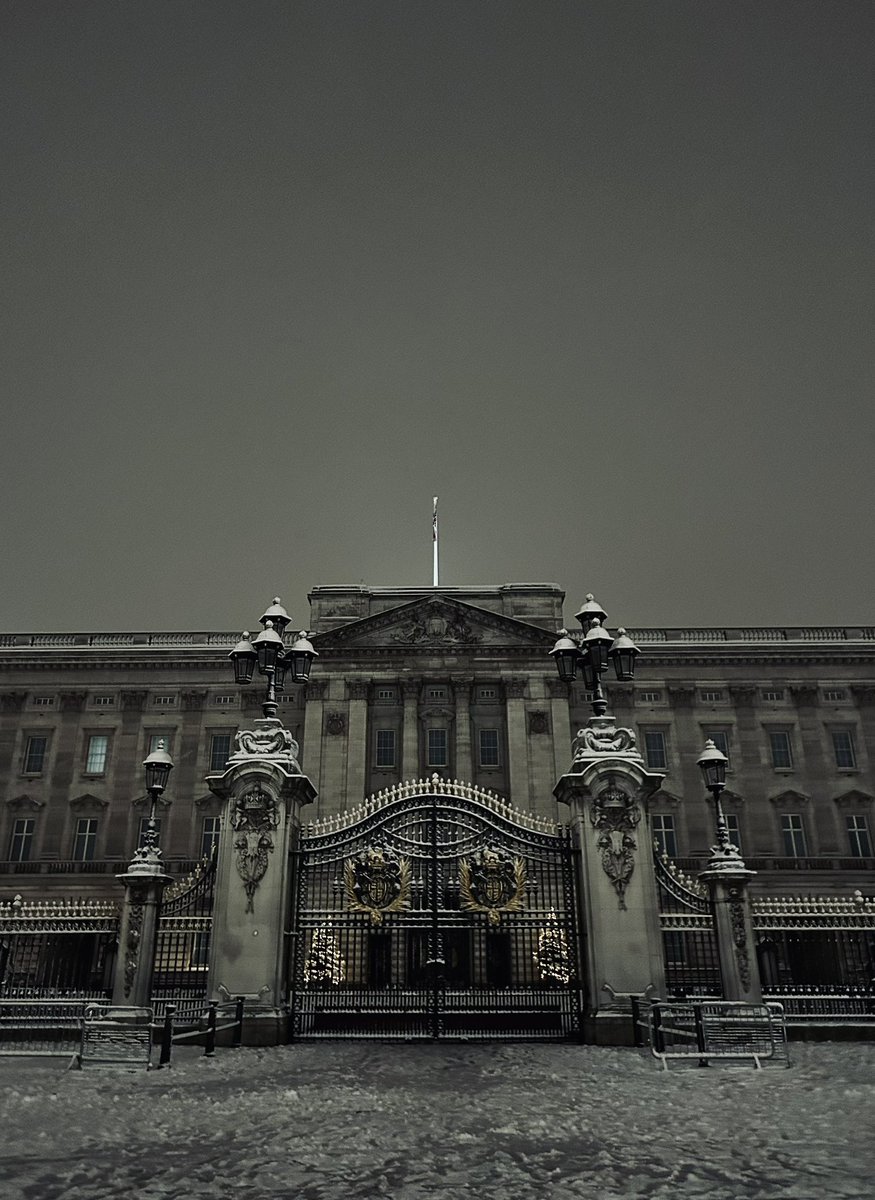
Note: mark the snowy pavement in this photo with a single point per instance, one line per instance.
(355, 1120)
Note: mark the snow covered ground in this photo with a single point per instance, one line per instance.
(357, 1120)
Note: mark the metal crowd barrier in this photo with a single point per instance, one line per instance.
(207, 1031)
(46, 1028)
(706, 1031)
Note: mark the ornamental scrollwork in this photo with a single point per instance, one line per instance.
(492, 884)
(376, 882)
(270, 737)
(615, 815)
(739, 942)
(132, 944)
(253, 820)
(604, 738)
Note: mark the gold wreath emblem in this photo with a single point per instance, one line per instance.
(492, 885)
(376, 884)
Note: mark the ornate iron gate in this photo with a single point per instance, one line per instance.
(435, 911)
(182, 953)
(692, 961)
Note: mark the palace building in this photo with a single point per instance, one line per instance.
(412, 683)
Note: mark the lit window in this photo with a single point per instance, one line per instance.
(650, 697)
(843, 748)
(144, 827)
(437, 747)
(95, 755)
(22, 839)
(654, 749)
(793, 835)
(211, 827)
(773, 694)
(220, 751)
(859, 838)
(712, 697)
(385, 748)
(35, 755)
(836, 695)
(488, 747)
(779, 745)
(734, 830)
(103, 701)
(85, 839)
(44, 701)
(154, 742)
(664, 834)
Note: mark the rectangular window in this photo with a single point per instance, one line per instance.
(859, 838)
(836, 695)
(712, 697)
(44, 701)
(211, 827)
(793, 835)
(220, 751)
(664, 834)
(438, 693)
(733, 830)
(95, 754)
(385, 748)
(155, 740)
(103, 701)
(650, 697)
(165, 701)
(773, 694)
(35, 754)
(85, 839)
(437, 747)
(720, 738)
(385, 693)
(486, 693)
(779, 745)
(488, 747)
(225, 701)
(654, 749)
(22, 839)
(144, 825)
(843, 748)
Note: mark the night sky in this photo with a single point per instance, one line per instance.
(599, 275)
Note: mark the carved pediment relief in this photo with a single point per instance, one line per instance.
(789, 799)
(25, 803)
(663, 799)
(854, 799)
(436, 623)
(88, 803)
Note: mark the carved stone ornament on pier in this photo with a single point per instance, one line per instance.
(253, 819)
(269, 739)
(615, 815)
(602, 736)
(132, 943)
(377, 882)
(492, 883)
(739, 937)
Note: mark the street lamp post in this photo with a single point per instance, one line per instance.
(158, 766)
(269, 653)
(592, 650)
(713, 764)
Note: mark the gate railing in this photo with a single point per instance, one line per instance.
(55, 949)
(182, 952)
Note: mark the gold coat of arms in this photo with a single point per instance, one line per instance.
(491, 883)
(376, 882)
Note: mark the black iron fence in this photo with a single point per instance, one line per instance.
(55, 949)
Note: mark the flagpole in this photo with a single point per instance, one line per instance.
(434, 539)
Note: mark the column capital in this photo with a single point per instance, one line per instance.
(410, 688)
(462, 688)
(193, 701)
(73, 701)
(515, 687)
(620, 695)
(863, 693)
(315, 689)
(743, 695)
(557, 689)
(805, 694)
(12, 701)
(681, 695)
(359, 689)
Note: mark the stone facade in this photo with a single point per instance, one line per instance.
(457, 681)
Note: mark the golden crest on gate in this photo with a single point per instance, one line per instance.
(376, 882)
(492, 883)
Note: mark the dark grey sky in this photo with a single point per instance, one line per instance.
(598, 274)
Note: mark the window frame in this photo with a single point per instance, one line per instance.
(210, 838)
(786, 734)
(860, 823)
(665, 833)
(789, 835)
(437, 732)
(662, 735)
(85, 839)
(214, 735)
(26, 767)
(21, 839)
(496, 748)
(96, 765)
(385, 754)
(850, 749)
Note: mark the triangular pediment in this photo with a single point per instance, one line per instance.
(789, 799)
(436, 623)
(88, 802)
(854, 799)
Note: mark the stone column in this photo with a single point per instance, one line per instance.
(311, 759)
(410, 743)
(263, 791)
(517, 744)
(607, 792)
(560, 720)
(727, 879)
(144, 884)
(357, 744)
(462, 696)
(63, 772)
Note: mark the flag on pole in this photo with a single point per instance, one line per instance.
(434, 538)
(434, 521)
